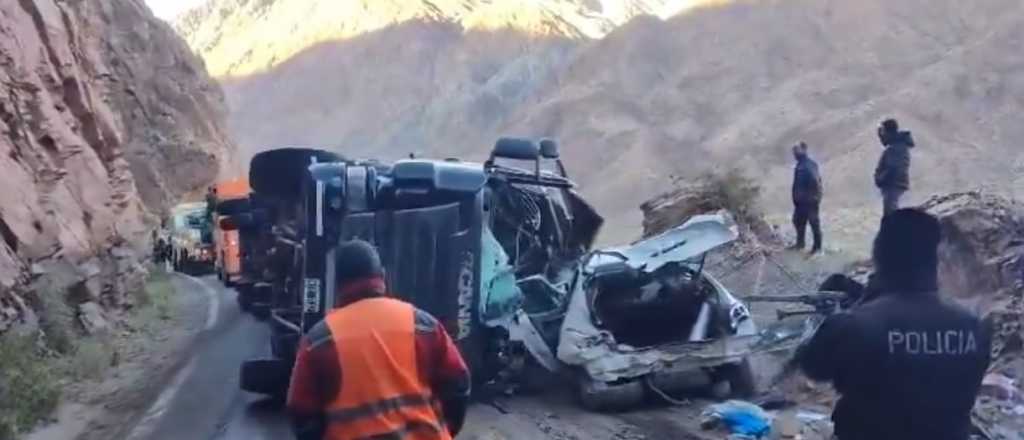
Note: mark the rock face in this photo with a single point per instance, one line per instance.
(106, 118)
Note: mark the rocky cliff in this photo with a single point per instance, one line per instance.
(106, 118)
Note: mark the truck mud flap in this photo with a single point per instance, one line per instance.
(269, 377)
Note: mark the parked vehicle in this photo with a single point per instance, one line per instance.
(191, 239)
(225, 198)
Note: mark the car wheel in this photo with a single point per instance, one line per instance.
(535, 379)
(602, 396)
(740, 380)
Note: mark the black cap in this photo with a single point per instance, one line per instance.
(356, 260)
(890, 125)
(906, 249)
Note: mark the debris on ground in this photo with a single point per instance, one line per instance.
(739, 417)
(801, 425)
(999, 386)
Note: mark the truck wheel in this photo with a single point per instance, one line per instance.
(244, 302)
(602, 396)
(268, 377)
(740, 379)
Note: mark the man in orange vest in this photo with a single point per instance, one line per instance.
(376, 367)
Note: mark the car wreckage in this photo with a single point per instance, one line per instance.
(501, 253)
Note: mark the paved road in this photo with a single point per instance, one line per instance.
(203, 402)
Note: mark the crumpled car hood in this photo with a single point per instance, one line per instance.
(699, 235)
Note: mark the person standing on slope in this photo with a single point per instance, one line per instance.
(807, 195)
(907, 365)
(376, 367)
(892, 175)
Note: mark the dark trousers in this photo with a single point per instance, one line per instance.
(804, 213)
(891, 199)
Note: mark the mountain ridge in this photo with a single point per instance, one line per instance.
(282, 29)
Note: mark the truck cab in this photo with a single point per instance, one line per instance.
(226, 198)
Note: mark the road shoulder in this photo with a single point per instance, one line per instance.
(146, 351)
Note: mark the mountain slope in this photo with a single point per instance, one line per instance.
(733, 84)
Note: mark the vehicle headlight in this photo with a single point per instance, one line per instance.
(738, 313)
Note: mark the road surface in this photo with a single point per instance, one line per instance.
(203, 401)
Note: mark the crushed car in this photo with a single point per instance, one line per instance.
(648, 318)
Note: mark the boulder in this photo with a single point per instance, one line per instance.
(91, 316)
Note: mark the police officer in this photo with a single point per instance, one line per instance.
(376, 367)
(908, 364)
(807, 194)
(892, 175)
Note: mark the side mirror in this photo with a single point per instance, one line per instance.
(516, 148)
(549, 149)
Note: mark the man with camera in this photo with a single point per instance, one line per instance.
(892, 175)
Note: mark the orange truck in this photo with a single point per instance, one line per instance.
(228, 263)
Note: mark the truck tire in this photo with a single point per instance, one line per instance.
(244, 302)
(268, 377)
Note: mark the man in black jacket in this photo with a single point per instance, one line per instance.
(807, 193)
(892, 175)
(907, 365)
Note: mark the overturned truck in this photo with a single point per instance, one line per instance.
(457, 239)
(500, 253)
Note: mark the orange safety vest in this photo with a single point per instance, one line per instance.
(382, 395)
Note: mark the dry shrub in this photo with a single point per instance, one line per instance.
(57, 321)
(731, 190)
(29, 385)
(734, 191)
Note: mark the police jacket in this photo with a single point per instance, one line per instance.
(893, 170)
(907, 367)
(807, 187)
